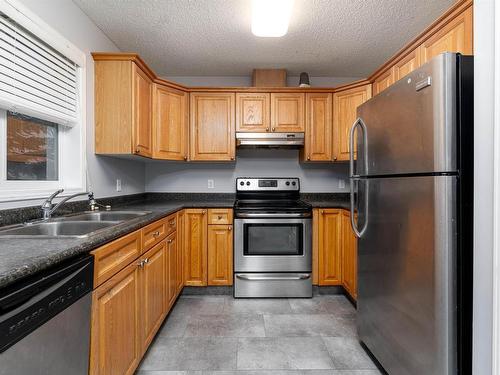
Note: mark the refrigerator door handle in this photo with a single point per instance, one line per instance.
(352, 177)
(359, 232)
(359, 122)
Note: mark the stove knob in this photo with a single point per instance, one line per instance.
(287, 183)
(242, 183)
(294, 183)
(248, 183)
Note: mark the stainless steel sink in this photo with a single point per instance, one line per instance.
(104, 216)
(78, 229)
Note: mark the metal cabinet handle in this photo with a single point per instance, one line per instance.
(140, 264)
(273, 129)
(156, 233)
(136, 151)
(229, 228)
(232, 157)
(169, 241)
(267, 129)
(219, 217)
(308, 158)
(172, 223)
(185, 157)
(203, 212)
(146, 261)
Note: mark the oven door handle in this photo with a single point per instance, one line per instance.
(271, 214)
(300, 276)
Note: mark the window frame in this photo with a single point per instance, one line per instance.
(71, 140)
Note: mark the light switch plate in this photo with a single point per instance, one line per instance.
(118, 184)
(211, 184)
(341, 184)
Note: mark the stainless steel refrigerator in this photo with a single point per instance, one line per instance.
(411, 191)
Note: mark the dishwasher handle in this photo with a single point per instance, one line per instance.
(29, 304)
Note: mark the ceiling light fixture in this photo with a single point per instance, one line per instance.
(270, 18)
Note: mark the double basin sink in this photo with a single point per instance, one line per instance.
(76, 226)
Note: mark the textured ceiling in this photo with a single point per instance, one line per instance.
(213, 37)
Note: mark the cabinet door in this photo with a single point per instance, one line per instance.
(180, 251)
(253, 112)
(407, 64)
(345, 105)
(170, 121)
(349, 256)
(153, 290)
(454, 36)
(287, 112)
(319, 127)
(115, 347)
(212, 126)
(172, 269)
(329, 249)
(383, 81)
(195, 247)
(220, 255)
(142, 113)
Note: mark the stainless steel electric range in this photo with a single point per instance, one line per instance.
(272, 239)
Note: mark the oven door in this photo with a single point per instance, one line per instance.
(273, 245)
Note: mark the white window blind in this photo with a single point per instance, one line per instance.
(35, 79)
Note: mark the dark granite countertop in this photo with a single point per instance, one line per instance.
(23, 257)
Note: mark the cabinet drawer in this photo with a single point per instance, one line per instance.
(220, 216)
(114, 256)
(153, 234)
(171, 223)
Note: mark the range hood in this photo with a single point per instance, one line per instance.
(270, 140)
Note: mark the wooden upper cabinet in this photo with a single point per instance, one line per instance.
(349, 256)
(407, 64)
(383, 81)
(170, 123)
(345, 105)
(287, 112)
(153, 292)
(142, 113)
(195, 247)
(330, 247)
(212, 120)
(123, 94)
(220, 255)
(253, 112)
(319, 127)
(455, 35)
(115, 347)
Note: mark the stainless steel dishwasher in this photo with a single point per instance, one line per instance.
(45, 322)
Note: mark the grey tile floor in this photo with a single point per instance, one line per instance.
(219, 335)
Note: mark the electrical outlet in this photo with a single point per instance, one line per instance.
(211, 184)
(341, 184)
(118, 184)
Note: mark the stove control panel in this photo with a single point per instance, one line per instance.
(267, 184)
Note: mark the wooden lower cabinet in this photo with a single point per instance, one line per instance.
(115, 345)
(329, 249)
(153, 291)
(195, 247)
(220, 255)
(334, 250)
(171, 265)
(349, 256)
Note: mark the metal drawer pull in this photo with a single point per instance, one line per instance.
(275, 277)
(172, 223)
(219, 217)
(156, 234)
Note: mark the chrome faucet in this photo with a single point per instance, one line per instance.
(48, 208)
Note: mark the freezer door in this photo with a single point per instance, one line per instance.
(406, 295)
(411, 126)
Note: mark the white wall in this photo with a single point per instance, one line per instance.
(236, 81)
(67, 19)
(192, 177)
(484, 48)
